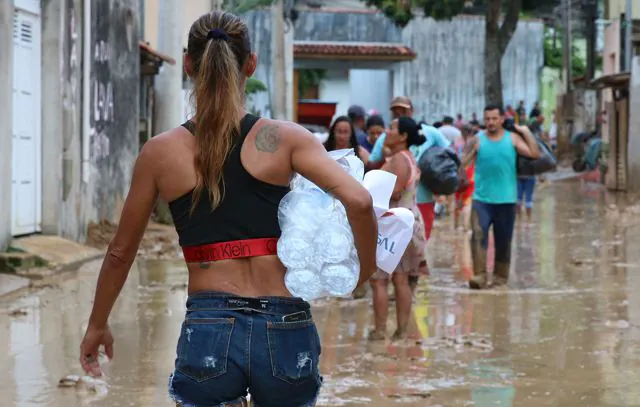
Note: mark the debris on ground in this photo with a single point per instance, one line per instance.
(98, 387)
(159, 241)
(459, 342)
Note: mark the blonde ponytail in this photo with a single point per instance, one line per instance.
(218, 51)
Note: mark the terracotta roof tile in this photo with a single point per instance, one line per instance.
(144, 47)
(352, 49)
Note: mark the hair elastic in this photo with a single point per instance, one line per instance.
(217, 34)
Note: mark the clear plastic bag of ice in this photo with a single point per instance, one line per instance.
(317, 245)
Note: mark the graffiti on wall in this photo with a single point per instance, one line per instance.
(103, 101)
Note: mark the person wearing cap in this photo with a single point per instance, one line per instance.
(357, 115)
(401, 106)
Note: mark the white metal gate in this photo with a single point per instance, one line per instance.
(27, 137)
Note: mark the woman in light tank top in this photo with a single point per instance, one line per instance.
(404, 133)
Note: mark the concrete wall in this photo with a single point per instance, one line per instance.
(336, 88)
(371, 97)
(633, 149)
(115, 75)
(448, 75)
(6, 87)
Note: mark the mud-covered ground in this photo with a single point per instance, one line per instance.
(566, 332)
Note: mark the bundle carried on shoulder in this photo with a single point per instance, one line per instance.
(317, 245)
(529, 167)
(440, 170)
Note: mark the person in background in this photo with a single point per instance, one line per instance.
(463, 198)
(449, 130)
(459, 123)
(474, 118)
(526, 189)
(403, 135)
(495, 194)
(401, 106)
(535, 111)
(342, 134)
(357, 115)
(510, 113)
(374, 128)
(521, 114)
(536, 125)
(424, 197)
(475, 126)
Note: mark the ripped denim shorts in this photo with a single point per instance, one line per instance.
(230, 346)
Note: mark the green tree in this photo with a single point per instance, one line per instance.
(501, 20)
(554, 55)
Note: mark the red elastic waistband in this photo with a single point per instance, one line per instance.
(236, 249)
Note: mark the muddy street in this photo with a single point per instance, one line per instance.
(565, 333)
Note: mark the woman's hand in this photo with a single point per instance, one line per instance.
(90, 349)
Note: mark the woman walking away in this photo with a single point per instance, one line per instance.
(342, 135)
(404, 133)
(224, 173)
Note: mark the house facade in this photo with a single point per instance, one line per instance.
(69, 77)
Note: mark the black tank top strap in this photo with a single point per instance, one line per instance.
(247, 123)
(190, 126)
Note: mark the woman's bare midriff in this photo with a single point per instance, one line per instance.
(253, 277)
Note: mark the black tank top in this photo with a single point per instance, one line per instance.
(248, 210)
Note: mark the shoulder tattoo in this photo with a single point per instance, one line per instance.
(268, 138)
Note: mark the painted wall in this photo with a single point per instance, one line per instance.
(71, 191)
(115, 74)
(336, 88)
(616, 7)
(633, 149)
(371, 97)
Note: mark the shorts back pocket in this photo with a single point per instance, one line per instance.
(203, 347)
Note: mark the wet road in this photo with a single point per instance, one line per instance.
(566, 333)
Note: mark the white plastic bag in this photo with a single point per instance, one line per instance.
(395, 230)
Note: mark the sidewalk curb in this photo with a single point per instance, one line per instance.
(59, 255)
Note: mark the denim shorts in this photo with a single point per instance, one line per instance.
(230, 346)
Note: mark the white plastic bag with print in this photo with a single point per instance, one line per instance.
(395, 230)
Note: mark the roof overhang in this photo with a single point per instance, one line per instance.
(151, 60)
(352, 51)
(617, 81)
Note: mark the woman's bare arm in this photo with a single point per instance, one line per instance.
(398, 166)
(124, 246)
(309, 159)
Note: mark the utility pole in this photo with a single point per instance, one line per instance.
(591, 15)
(278, 62)
(169, 99)
(566, 46)
(168, 84)
(628, 33)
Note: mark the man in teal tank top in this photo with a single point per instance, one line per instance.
(495, 153)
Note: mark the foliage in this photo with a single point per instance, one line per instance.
(308, 78)
(253, 86)
(554, 58)
(400, 11)
(242, 6)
